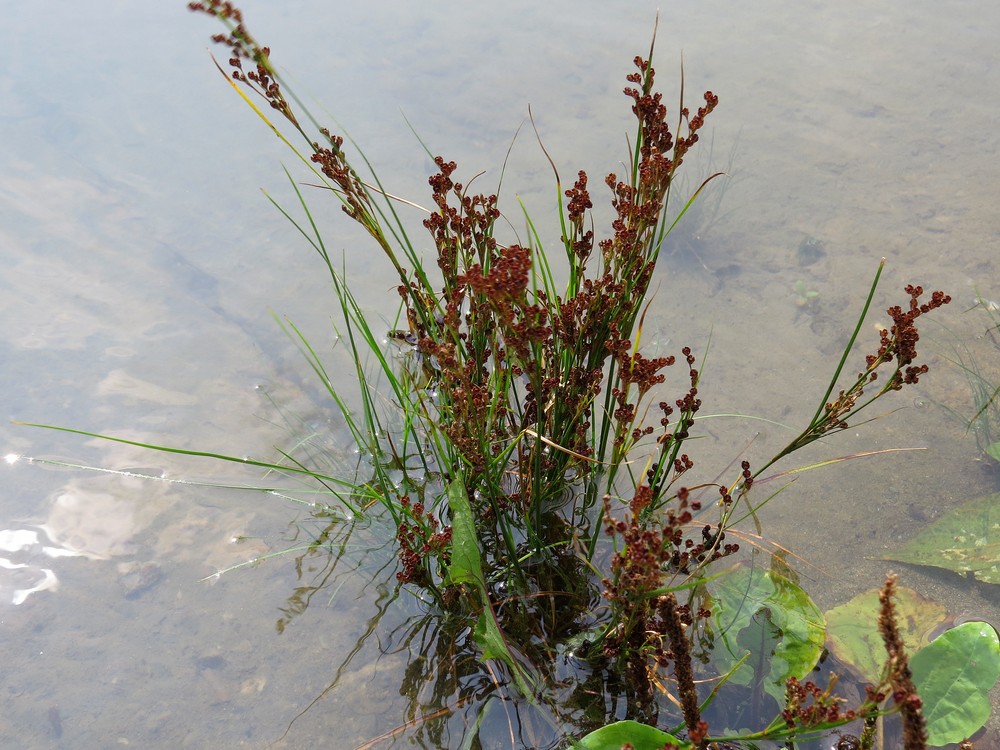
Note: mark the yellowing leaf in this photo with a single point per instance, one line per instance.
(852, 629)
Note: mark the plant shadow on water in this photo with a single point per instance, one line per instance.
(545, 566)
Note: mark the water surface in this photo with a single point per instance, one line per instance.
(142, 266)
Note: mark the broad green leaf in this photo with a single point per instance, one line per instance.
(490, 638)
(467, 567)
(770, 617)
(852, 629)
(466, 563)
(967, 540)
(639, 736)
(954, 675)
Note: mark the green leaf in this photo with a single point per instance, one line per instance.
(467, 567)
(967, 540)
(770, 617)
(640, 736)
(466, 563)
(490, 639)
(993, 451)
(954, 675)
(852, 629)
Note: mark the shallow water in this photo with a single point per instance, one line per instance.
(141, 266)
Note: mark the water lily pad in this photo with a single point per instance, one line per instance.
(639, 736)
(966, 540)
(954, 676)
(852, 629)
(770, 617)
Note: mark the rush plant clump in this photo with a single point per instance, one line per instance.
(527, 458)
(508, 453)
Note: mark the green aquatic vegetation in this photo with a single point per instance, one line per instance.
(954, 674)
(986, 420)
(954, 667)
(977, 359)
(539, 487)
(752, 606)
(639, 736)
(965, 540)
(805, 298)
(854, 637)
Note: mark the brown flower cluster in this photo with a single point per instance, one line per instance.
(634, 370)
(243, 47)
(658, 141)
(491, 332)
(463, 233)
(420, 539)
(897, 344)
(654, 549)
(808, 706)
(535, 363)
(671, 622)
(904, 692)
(581, 242)
(900, 342)
(672, 437)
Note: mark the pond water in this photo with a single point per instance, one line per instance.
(142, 267)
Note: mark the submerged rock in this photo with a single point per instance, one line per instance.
(139, 578)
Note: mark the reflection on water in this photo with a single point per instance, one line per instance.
(138, 268)
(24, 573)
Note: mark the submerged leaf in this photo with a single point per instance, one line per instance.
(639, 736)
(854, 636)
(954, 676)
(993, 450)
(766, 614)
(966, 540)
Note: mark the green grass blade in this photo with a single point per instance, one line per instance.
(199, 454)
